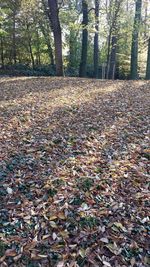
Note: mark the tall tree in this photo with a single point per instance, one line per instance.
(14, 36)
(113, 15)
(2, 32)
(148, 62)
(29, 39)
(96, 41)
(56, 28)
(135, 37)
(2, 52)
(44, 29)
(83, 62)
(112, 58)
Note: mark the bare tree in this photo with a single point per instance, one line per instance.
(83, 63)
(135, 36)
(96, 41)
(114, 12)
(56, 28)
(148, 62)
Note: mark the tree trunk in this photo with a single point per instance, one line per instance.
(48, 43)
(83, 63)
(50, 52)
(30, 46)
(31, 54)
(112, 59)
(2, 53)
(38, 57)
(55, 24)
(14, 37)
(96, 43)
(71, 49)
(135, 36)
(148, 62)
(112, 18)
(108, 53)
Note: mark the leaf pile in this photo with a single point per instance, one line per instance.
(74, 172)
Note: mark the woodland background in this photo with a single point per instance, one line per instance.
(101, 39)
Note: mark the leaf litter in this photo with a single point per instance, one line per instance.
(74, 172)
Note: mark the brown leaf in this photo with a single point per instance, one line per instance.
(10, 253)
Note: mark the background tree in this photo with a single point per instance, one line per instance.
(83, 63)
(2, 35)
(96, 39)
(113, 18)
(99, 47)
(148, 62)
(55, 23)
(135, 39)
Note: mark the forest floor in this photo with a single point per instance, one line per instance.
(74, 172)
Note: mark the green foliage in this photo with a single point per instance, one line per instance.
(85, 183)
(24, 70)
(3, 247)
(25, 31)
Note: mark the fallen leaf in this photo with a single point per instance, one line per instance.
(53, 224)
(107, 263)
(104, 240)
(10, 252)
(9, 191)
(54, 236)
(60, 264)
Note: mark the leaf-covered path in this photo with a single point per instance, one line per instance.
(74, 172)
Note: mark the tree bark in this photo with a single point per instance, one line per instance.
(113, 37)
(108, 53)
(71, 49)
(83, 63)
(14, 37)
(96, 43)
(48, 43)
(135, 36)
(148, 62)
(38, 56)
(2, 53)
(31, 54)
(112, 60)
(30, 46)
(55, 24)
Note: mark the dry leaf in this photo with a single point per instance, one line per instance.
(9, 191)
(104, 240)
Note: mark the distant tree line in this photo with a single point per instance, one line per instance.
(107, 39)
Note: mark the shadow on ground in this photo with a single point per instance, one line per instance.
(75, 151)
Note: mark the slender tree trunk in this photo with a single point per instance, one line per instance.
(146, 20)
(127, 5)
(83, 63)
(135, 36)
(30, 46)
(2, 53)
(48, 43)
(38, 57)
(96, 43)
(46, 36)
(108, 54)
(31, 54)
(113, 15)
(109, 15)
(71, 49)
(55, 24)
(112, 60)
(148, 62)
(14, 37)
